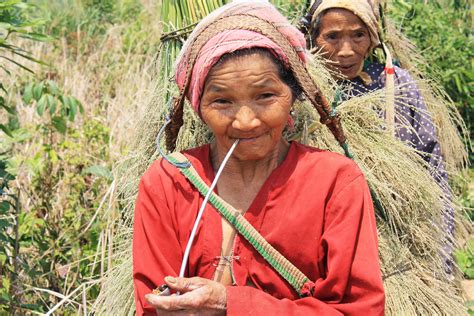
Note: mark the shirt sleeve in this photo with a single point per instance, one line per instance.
(352, 282)
(156, 250)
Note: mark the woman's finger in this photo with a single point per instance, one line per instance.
(171, 303)
(184, 285)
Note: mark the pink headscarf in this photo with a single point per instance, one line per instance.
(233, 40)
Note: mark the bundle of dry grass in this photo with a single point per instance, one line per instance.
(410, 224)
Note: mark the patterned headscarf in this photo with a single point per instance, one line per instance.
(366, 10)
(232, 40)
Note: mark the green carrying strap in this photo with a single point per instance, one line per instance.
(297, 279)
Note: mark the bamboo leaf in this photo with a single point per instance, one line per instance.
(17, 63)
(36, 37)
(3, 104)
(6, 70)
(6, 130)
(20, 52)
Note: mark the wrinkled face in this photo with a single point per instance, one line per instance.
(344, 39)
(244, 98)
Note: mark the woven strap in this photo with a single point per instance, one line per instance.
(296, 278)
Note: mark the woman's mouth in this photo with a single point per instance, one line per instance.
(247, 139)
(345, 67)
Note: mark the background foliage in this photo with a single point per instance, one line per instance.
(66, 120)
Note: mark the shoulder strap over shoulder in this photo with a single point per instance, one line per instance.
(297, 279)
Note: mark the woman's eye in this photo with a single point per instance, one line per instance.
(331, 36)
(360, 34)
(266, 95)
(221, 101)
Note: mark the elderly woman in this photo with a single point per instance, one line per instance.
(241, 70)
(347, 33)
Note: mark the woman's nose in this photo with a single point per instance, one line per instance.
(245, 119)
(346, 49)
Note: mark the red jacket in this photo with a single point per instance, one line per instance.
(315, 208)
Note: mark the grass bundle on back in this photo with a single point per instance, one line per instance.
(410, 226)
(411, 287)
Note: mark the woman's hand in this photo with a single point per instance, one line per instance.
(197, 296)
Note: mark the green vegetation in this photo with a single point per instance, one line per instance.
(75, 76)
(442, 31)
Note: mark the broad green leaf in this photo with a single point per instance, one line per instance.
(461, 258)
(38, 90)
(66, 104)
(52, 103)
(4, 223)
(4, 207)
(99, 171)
(470, 273)
(62, 99)
(59, 124)
(28, 93)
(72, 109)
(77, 104)
(42, 104)
(53, 87)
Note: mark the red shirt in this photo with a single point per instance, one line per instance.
(315, 208)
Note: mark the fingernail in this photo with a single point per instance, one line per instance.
(170, 279)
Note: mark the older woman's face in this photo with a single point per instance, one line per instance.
(244, 98)
(345, 39)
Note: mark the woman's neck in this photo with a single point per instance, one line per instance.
(248, 171)
(241, 181)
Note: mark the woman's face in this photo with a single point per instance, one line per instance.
(244, 98)
(345, 39)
